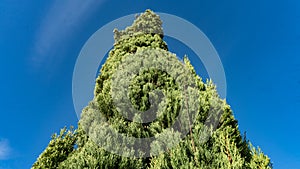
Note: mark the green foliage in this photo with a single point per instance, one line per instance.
(259, 160)
(206, 146)
(57, 151)
(147, 23)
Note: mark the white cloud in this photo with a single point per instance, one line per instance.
(5, 149)
(59, 23)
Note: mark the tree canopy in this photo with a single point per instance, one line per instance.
(150, 83)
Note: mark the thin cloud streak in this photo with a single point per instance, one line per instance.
(59, 23)
(5, 149)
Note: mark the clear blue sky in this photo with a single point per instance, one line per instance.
(257, 41)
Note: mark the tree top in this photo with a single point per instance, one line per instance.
(145, 23)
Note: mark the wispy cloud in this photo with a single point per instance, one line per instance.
(58, 24)
(5, 149)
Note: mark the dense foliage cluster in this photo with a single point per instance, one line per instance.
(225, 147)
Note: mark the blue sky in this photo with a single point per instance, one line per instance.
(257, 41)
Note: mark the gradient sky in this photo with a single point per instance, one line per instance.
(258, 43)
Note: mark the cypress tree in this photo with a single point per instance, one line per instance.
(204, 146)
